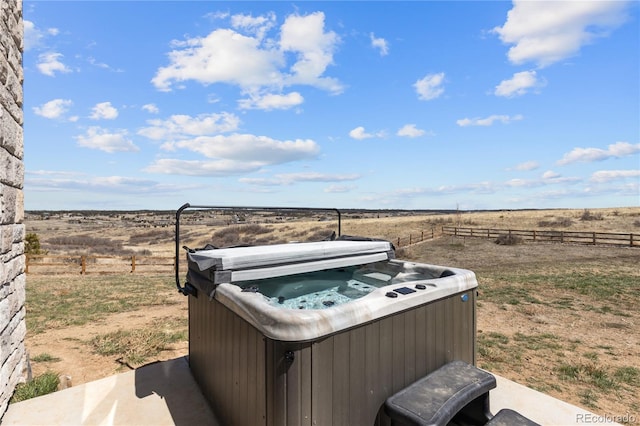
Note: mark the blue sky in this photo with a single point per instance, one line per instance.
(390, 105)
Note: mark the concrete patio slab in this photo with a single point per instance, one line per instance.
(165, 393)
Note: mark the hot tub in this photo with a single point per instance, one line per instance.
(321, 333)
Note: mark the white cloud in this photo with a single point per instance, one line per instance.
(252, 61)
(518, 85)
(335, 189)
(93, 61)
(379, 43)
(410, 131)
(271, 101)
(49, 63)
(609, 175)
(547, 32)
(103, 111)
(588, 155)
(55, 108)
(360, 134)
(151, 108)
(292, 178)
(550, 174)
(522, 183)
(258, 25)
(430, 86)
(183, 126)
(32, 35)
(488, 121)
(305, 35)
(59, 173)
(202, 168)
(62, 181)
(224, 56)
(527, 165)
(103, 140)
(251, 148)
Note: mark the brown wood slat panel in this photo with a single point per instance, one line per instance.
(306, 382)
(440, 351)
(397, 366)
(340, 402)
(373, 374)
(357, 374)
(422, 355)
(322, 379)
(447, 324)
(431, 337)
(409, 346)
(386, 356)
(241, 390)
(270, 375)
(297, 384)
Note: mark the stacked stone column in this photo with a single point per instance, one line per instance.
(13, 358)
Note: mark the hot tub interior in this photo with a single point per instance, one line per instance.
(333, 287)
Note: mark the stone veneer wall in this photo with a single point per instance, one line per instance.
(13, 356)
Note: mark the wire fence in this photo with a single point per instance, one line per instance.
(575, 237)
(89, 264)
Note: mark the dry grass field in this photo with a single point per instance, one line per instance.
(560, 318)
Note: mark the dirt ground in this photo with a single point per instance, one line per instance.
(80, 363)
(572, 329)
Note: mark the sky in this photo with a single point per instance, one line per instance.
(133, 105)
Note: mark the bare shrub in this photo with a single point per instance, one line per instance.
(151, 237)
(269, 239)
(588, 215)
(86, 244)
(254, 229)
(81, 241)
(320, 235)
(563, 222)
(226, 236)
(508, 240)
(440, 221)
(400, 253)
(636, 223)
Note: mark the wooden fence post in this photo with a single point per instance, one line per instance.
(398, 241)
(83, 265)
(409, 239)
(594, 238)
(133, 263)
(26, 263)
(631, 240)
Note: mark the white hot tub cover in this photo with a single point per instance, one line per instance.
(225, 265)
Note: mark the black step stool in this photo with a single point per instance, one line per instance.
(456, 391)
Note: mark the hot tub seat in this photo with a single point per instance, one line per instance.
(456, 391)
(506, 417)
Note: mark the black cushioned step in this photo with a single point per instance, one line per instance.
(506, 417)
(436, 398)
